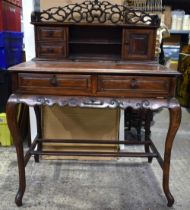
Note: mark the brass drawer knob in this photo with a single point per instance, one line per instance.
(50, 50)
(54, 81)
(50, 33)
(134, 84)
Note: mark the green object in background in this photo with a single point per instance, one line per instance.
(183, 85)
(5, 136)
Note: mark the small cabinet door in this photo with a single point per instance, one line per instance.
(138, 44)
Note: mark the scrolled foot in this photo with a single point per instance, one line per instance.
(18, 198)
(170, 199)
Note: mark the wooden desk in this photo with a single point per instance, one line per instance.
(102, 84)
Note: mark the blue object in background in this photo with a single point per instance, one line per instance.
(171, 52)
(10, 49)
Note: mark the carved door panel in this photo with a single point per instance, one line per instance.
(138, 44)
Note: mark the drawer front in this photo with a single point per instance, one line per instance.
(135, 86)
(52, 33)
(58, 84)
(53, 50)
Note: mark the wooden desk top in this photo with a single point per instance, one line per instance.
(92, 67)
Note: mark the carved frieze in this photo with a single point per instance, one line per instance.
(93, 102)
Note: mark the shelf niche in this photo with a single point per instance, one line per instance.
(103, 42)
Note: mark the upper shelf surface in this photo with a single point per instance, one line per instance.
(93, 67)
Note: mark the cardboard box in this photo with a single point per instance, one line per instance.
(79, 123)
(168, 16)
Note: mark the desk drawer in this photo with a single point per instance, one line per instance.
(52, 33)
(58, 84)
(135, 86)
(53, 50)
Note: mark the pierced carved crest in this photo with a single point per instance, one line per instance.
(95, 12)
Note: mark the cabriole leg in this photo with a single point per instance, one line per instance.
(12, 112)
(175, 119)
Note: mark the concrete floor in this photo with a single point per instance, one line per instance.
(124, 184)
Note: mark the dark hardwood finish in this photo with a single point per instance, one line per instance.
(51, 42)
(52, 50)
(138, 44)
(12, 114)
(107, 84)
(95, 11)
(55, 83)
(104, 85)
(140, 86)
(95, 67)
(92, 79)
(95, 42)
(52, 33)
(100, 59)
(91, 42)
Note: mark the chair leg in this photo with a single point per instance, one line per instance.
(148, 119)
(37, 110)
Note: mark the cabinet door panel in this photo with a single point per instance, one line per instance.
(138, 44)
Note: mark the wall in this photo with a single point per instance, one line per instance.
(28, 29)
